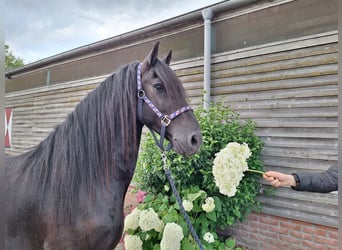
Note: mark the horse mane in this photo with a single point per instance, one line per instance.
(96, 138)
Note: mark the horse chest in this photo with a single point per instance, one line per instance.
(94, 229)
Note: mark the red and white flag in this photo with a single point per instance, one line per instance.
(8, 127)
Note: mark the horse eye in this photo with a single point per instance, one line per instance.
(159, 87)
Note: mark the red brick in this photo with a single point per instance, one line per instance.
(279, 243)
(258, 225)
(250, 229)
(309, 230)
(263, 226)
(249, 242)
(309, 248)
(328, 228)
(273, 245)
(333, 235)
(253, 217)
(268, 221)
(252, 224)
(307, 236)
(291, 225)
(258, 237)
(303, 223)
(331, 248)
(280, 230)
(296, 234)
(325, 241)
(312, 245)
(299, 247)
(278, 218)
(321, 232)
(301, 235)
(289, 239)
(265, 246)
(270, 234)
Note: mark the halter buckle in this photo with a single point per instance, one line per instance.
(165, 121)
(141, 94)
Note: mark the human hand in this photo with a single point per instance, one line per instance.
(278, 179)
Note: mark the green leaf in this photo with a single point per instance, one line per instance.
(212, 216)
(11, 61)
(187, 245)
(156, 247)
(230, 243)
(194, 196)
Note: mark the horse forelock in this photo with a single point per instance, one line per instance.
(83, 152)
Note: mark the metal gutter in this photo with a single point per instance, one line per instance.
(93, 48)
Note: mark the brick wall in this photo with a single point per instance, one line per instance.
(267, 232)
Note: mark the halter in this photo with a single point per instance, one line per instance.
(165, 120)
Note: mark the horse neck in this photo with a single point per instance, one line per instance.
(98, 141)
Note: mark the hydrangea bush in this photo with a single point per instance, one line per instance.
(216, 189)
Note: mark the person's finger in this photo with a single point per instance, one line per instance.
(272, 174)
(276, 183)
(268, 178)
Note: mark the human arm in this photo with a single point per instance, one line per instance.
(322, 182)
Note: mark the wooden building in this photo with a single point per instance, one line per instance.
(274, 62)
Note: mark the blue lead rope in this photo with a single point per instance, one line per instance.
(180, 203)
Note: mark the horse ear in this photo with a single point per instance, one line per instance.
(151, 59)
(168, 58)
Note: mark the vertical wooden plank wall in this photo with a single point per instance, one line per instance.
(37, 111)
(289, 89)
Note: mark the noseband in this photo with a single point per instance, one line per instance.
(165, 120)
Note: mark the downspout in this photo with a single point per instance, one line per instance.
(207, 15)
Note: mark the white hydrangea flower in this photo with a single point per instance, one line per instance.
(159, 226)
(133, 242)
(149, 220)
(188, 205)
(132, 220)
(166, 188)
(209, 237)
(209, 205)
(172, 237)
(229, 165)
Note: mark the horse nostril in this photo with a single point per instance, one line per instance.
(194, 140)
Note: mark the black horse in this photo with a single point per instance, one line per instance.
(68, 192)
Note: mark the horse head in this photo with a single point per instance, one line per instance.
(166, 110)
